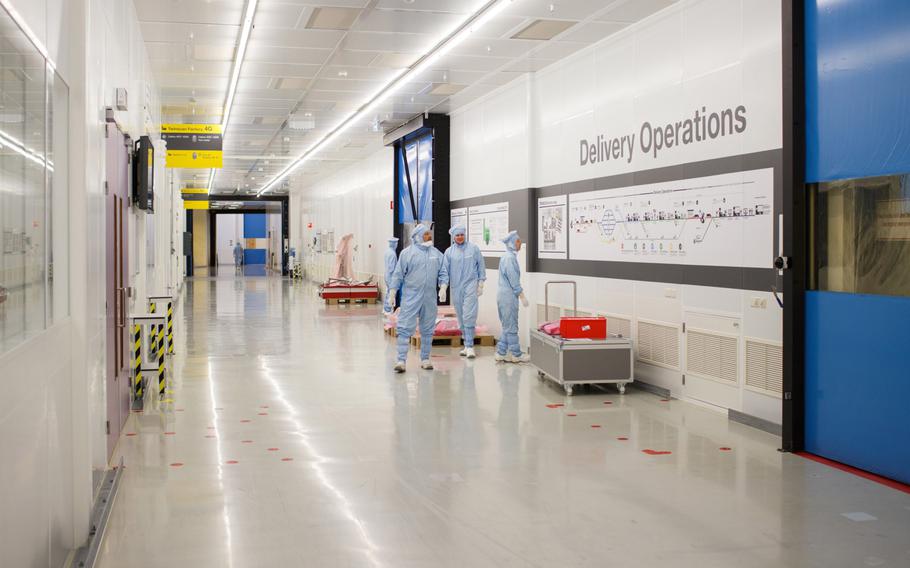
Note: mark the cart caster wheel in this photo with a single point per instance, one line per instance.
(568, 390)
(621, 387)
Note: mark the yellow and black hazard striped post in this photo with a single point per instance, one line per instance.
(153, 330)
(137, 363)
(170, 328)
(161, 382)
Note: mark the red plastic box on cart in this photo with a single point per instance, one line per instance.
(583, 328)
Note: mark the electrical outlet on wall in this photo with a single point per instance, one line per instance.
(669, 292)
(759, 303)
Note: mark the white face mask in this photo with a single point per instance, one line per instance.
(426, 244)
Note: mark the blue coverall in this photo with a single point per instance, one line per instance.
(420, 268)
(507, 298)
(466, 270)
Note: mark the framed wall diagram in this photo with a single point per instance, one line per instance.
(721, 220)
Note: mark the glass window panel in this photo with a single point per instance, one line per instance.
(862, 237)
(30, 96)
(58, 198)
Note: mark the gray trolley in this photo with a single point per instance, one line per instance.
(572, 362)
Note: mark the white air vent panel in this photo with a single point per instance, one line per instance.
(619, 326)
(543, 316)
(658, 344)
(764, 366)
(712, 355)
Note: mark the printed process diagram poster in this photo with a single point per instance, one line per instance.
(722, 220)
(458, 217)
(487, 226)
(552, 227)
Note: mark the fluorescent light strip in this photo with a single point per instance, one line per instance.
(8, 141)
(245, 32)
(20, 21)
(472, 22)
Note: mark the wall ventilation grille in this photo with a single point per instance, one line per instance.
(764, 366)
(618, 326)
(713, 356)
(544, 317)
(658, 344)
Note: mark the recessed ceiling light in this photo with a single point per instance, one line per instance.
(330, 18)
(260, 169)
(308, 114)
(543, 29)
(342, 73)
(489, 49)
(551, 7)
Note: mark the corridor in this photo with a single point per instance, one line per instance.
(289, 441)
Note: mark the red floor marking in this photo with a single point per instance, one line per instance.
(571, 415)
(245, 421)
(665, 400)
(656, 452)
(595, 425)
(263, 414)
(176, 464)
(555, 405)
(130, 433)
(622, 438)
(725, 449)
(608, 402)
(287, 459)
(273, 449)
(903, 487)
(246, 441)
(169, 433)
(231, 462)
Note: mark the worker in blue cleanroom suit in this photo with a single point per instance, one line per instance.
(507, 299)
(466, 276)
(420, 268)
(390, 261)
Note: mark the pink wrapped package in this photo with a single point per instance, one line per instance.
(550, 327)
(447, 327)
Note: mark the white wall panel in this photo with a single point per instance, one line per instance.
(354, 200)
(713, 53)
(97, 46)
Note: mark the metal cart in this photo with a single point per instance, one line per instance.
(572, 362)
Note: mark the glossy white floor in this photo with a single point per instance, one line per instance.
(291, 443)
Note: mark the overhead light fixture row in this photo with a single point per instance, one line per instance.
(248, 15)
(476, 19)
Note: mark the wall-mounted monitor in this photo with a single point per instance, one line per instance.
(144, 174)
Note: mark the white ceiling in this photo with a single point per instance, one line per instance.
(320, 75)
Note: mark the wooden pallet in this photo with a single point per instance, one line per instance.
(391, 331)
(336, 301)
(455, 341)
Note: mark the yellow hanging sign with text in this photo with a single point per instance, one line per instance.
(193, 145)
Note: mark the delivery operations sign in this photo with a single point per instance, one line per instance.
(193, 145)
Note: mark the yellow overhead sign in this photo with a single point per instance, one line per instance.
(195, 204)
(193, 145)
(191, 129)
(194, 191)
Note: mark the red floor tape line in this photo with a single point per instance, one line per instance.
(571, 415)
(273, 449)
(287, 459)
(554, 405)
(130, 433)
(656, 452)
(231, 462)
(595, 425)
(903, 487)
(622, 438)
(169, 433)
(176, 464)
(725, 449)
